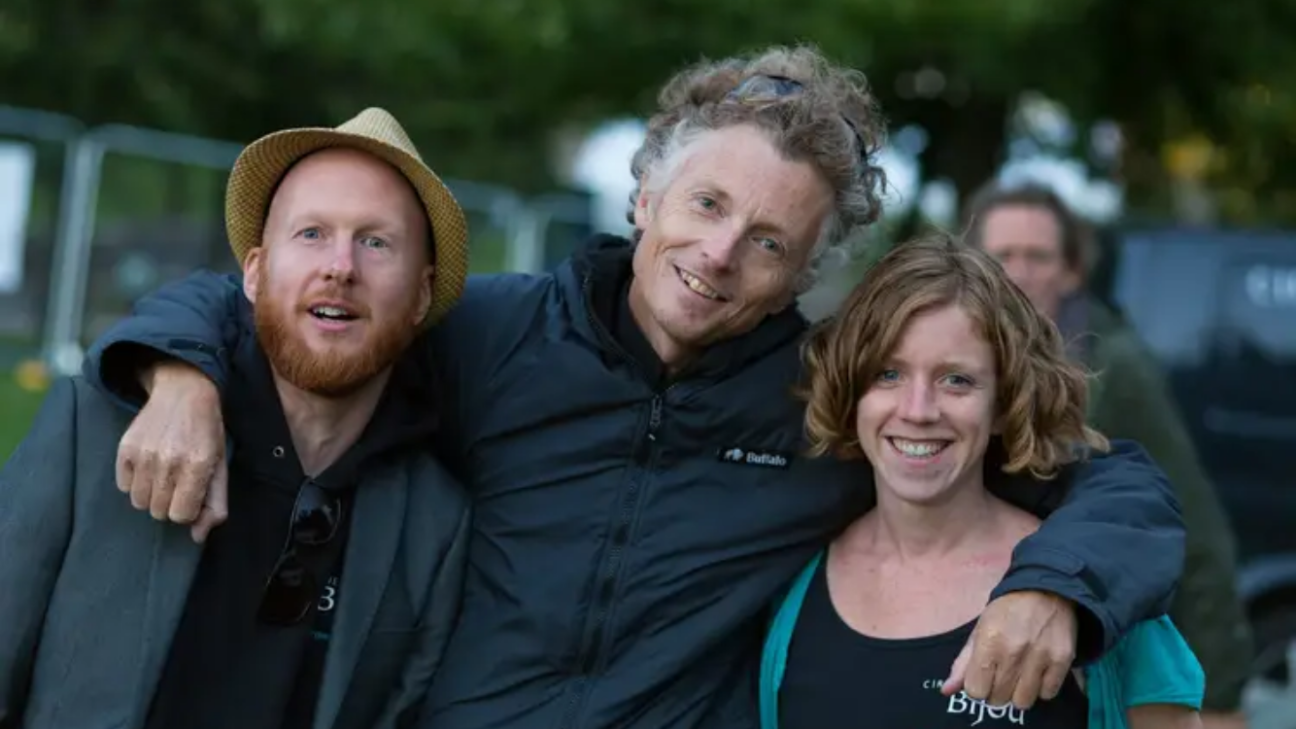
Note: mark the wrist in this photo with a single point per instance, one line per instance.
(173, 376)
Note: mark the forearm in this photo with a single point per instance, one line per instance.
(196, 321)
(1114, 547)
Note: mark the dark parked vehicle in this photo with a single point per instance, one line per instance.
(1218, 308)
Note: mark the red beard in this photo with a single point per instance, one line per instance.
(331, 374)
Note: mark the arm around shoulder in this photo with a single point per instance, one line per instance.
(195, 320)
(1114, 548)
(36, 504)
(479, 334)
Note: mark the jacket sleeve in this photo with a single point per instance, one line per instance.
(439, 618)
(36, 504)
(196, 319)
(1114, 547)
(1135, 403)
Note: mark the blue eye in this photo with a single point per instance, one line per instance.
(888, 376)
(373, 242)
(311, 234)
(959, 380)
(770, 245)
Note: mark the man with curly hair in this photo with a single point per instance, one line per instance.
(626, 428)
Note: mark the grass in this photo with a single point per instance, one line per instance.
(18, 406)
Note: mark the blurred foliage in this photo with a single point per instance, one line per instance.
(485, 85)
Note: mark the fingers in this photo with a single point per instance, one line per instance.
(994, 665)
(983, 662)
(1007, 673)
(215, 509)
(163, 486)
(144, 467)
(1056, 650)
(168, 456)
(1054, 677)
(1022, 649)
(125, 467)
(954, 683)
(191, 488)
(1029, 680)
(1058, 656)
(203, 525)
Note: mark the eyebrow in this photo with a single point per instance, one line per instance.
(945, 365)
(713, 188)
(370, 227)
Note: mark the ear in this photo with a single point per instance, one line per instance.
(424, 294)
(252, 273)
(643, 206)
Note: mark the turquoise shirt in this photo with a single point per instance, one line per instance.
(1151, 665)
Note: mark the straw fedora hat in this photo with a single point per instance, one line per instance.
(262, 164)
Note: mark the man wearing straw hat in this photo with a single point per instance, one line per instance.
(327, 598)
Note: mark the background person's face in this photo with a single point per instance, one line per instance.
(725, 241)
(341, 280)
(1027, 241)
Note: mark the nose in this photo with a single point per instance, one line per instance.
(1018, 270)
(721, 248)
(341, 263)
(918, 404)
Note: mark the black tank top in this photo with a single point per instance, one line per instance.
(836, 678)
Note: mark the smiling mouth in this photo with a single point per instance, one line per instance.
(918, 449)
(698, 286)
(332, 313)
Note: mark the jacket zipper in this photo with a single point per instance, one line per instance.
(645, 458)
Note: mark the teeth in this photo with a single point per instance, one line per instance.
(331, 312)
(918, 448)
(693, 282)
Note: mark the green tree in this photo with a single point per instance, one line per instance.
(484, 86)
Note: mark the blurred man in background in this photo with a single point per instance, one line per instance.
(1044, 248)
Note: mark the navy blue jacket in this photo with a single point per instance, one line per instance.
(632, 535)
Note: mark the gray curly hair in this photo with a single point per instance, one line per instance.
(827, 116)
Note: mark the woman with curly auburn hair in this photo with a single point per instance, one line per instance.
(941, 374)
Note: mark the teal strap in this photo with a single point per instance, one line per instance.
(774, 656)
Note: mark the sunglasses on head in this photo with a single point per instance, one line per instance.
(292, 589)
(767, 89)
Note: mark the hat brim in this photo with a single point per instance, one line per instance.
(262, 165)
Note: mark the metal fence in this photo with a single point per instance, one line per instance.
(119, 210)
